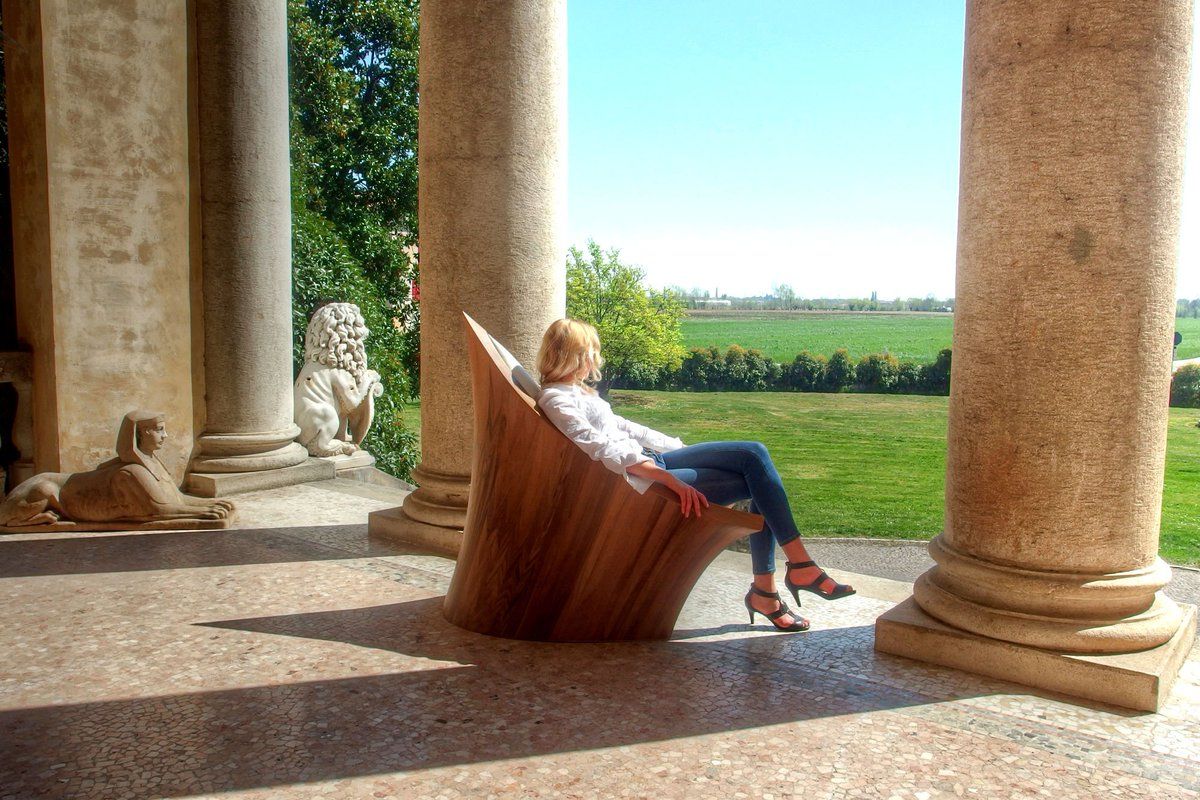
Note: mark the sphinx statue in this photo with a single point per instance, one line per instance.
(335, 392)
(133, 491)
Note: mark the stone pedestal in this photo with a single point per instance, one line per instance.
(246, 218)
(1072, 153)
(1140, 680)
(492, 206)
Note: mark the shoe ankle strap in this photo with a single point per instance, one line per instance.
(755, 590)
(800, 564)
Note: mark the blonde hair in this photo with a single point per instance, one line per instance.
(570, 353)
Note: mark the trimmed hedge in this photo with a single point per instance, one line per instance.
(1185, 387)
(707, 369)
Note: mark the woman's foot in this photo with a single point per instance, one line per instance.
(807, 576)
(773, 608)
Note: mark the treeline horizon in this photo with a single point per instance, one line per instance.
(786, 300)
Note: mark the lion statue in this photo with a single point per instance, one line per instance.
(335, 392)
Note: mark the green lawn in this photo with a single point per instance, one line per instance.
(909, 337)
(1190, 328)
(874, 465)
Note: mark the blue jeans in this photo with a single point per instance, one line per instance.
(726, 472)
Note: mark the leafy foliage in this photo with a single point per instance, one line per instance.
(935, 377)
(321, 260)
(1185, 387)
(839, 372)
(878, 373)
(706, 369)
(353, 85)
(806, 372)
(638, 327)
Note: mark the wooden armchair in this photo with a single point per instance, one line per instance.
(556, 546)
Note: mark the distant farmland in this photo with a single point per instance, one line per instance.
(908, 336)
(783, 334)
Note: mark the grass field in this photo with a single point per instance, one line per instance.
(874, 465)
(1190, 328)
(909, 337)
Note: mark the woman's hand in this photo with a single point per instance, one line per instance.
(689, 499)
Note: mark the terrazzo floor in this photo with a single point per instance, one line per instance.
(294, 657)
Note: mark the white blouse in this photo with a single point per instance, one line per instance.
(589, 421)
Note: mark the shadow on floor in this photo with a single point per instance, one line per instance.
(461, 698)
(82, 553)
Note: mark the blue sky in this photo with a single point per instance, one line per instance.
(735, 146)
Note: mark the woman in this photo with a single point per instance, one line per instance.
(723, 471)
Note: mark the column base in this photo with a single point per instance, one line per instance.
(1139, 680)
(223, 484)
(440, 499)
(249, 452)
(394, 525)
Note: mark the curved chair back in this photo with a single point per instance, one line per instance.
(556, 546)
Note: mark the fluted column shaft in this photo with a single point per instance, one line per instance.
(1072, 154)
(492, 207)
(242, 82)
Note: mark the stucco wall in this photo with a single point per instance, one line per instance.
(103, 220)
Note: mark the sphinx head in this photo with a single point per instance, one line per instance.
(142, 434)
(151, 434)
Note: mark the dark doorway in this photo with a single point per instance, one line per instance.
(8, 298)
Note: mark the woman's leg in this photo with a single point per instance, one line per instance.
(752, 461)
(723, 487)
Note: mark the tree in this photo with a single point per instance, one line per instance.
(786, 295)
(353, 91)
(636, 325)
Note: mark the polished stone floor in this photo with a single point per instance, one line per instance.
(296, 658)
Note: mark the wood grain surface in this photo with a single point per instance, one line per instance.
(556, 546)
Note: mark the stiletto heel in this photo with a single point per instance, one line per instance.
(839, 591)
(798, 624)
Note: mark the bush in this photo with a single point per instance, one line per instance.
(877, 373)
(707, 369)
(642, 376)
(1185, 387)
(908, 378)
(805, 373)
(746, 370)
(935, 377)
(839, 372)
(701, 369)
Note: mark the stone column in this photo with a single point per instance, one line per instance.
(241, 53)
(492, 206)
(1072, 154)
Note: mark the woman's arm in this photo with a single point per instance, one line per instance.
(616, 454)
(648, 437)
(689, 498)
